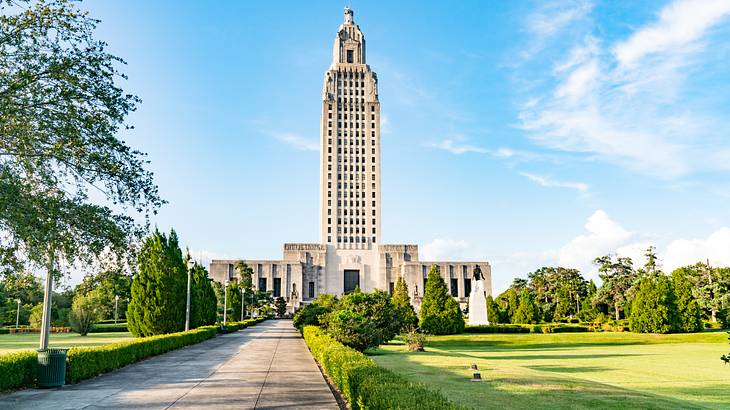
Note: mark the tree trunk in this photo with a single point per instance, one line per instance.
(714, 315)
(615, 306)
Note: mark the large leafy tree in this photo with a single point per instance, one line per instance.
(618, 277)
(108, 284)
(202, 298)
(158, 288)
(558, 291)
(61, 108)
(246, 274)
(402, 303)
(710, 286)
(440, 313)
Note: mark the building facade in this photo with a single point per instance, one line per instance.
(349, 254)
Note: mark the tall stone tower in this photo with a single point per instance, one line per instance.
(350, 145)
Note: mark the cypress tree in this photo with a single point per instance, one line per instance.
(654, 308)
(234, 301)
(202, 298)
(689, 314)
(492, 311)
(527, 311)
(440, 313)
(158, 288)
(402, 303)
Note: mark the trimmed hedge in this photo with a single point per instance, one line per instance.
(515, 328)
(234, 326)
(363, 383)
(18, 369)
(86, 362)
(107, 327)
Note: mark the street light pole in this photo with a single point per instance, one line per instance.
(116, 308)
(243, 302)
(225, 302)
(187, 305)
(17, 314)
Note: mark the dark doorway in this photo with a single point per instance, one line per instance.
(352, 280)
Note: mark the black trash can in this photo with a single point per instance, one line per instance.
(52, 367)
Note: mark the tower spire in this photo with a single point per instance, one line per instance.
(349, 14)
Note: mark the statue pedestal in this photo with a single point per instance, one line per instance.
(478, 305)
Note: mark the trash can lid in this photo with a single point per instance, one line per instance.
(52, 350)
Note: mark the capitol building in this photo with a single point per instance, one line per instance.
(349, 253)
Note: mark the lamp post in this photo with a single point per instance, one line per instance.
(225, 302)
(116, 308)
(187, 304)
(243, 303)
(17, 314)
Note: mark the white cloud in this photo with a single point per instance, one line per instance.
(628, 109)
(458, 149)
(204, 256)
(682, 252)
(550, 183)
(441, 249)
(296, 141)
(680, 24)
(556, 15)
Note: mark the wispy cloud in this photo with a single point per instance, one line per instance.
(296, 141)
(679, 24)
(556, 15)
(627, 104)
(551, 183)
(457, 148)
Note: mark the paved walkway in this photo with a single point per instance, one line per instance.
(266, 366)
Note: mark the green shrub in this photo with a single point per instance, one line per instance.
(85, 311)
(507, 328)
(109, 327)
(18, 369)
(402, 303)
(314, 312)
(352, 329)
(365, 385)
(85, 362)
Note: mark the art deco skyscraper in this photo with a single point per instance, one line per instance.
(350, 145)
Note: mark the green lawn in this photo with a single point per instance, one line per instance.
(9, 343)
(572, 370)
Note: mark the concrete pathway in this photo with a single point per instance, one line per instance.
(266, 366)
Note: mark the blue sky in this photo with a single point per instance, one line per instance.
(522, 133)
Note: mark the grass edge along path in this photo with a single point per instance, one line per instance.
(363, 383)
(18, 369)
(576, 370)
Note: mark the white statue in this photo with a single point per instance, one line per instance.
(478, 300)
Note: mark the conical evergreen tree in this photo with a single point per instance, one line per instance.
(527, 311)
(158, 288)
(492, 311)
(202, 298)
(654, 308)
(402, 303)
(689, 314)
(440, 313)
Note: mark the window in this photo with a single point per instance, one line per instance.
(467, 286)
(311, 290)
(262, 284)
(277, 287)
(454, 287)
(391, 288)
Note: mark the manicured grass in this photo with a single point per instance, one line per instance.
(11, 343)
(572, 370)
